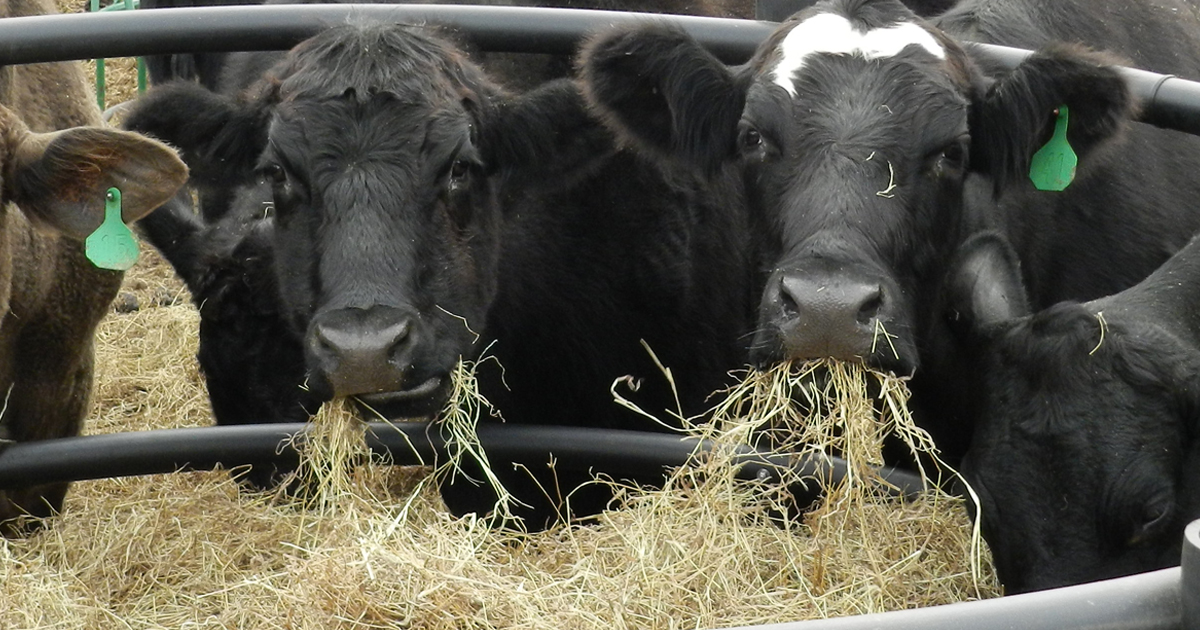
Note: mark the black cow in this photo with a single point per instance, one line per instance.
(1086, 457)
(421, 213)
(871, 142)
(252, 361)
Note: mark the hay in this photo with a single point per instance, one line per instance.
(380, 551)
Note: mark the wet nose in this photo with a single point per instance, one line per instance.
(362, 350)
(828, 317)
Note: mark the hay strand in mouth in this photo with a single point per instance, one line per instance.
(829, 407)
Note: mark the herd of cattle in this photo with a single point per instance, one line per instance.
(374, 206)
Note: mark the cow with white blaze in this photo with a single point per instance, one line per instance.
(871, 143)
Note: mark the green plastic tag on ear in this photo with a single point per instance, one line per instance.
(1053, 166)
(112, 245)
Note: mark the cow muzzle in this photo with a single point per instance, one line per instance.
(816, 316)
(363, 350)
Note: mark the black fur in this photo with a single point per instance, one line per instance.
(227, 267)
(1086, 456)
(480, 220)
(1009, 123)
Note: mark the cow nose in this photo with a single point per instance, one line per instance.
(361, 351)
(828, 317)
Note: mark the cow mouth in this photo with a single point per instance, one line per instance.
(424, 400)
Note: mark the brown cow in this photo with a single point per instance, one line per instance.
(51, 296)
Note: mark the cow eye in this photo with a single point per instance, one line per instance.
(950, 160)
(458, 175)
(274, 174)
(750, 139)
(1155, 516)
(751, 143)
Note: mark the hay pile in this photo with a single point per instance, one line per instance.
(378, 550)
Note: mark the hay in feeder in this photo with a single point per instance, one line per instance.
(193, 550)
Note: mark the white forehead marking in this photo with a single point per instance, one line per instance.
(833, 34)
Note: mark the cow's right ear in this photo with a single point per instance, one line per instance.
(218, 137)
(1015, 115)
(659, 90)
(984, 285)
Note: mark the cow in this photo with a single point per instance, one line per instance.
(1086, 456)
(421, 214)
(58, 166)
(251, 360)
(872, 143)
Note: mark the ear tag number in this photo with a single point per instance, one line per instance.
(1053, 166)
(112, 245)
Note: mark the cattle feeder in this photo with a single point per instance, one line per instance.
(1169, 598)
(1168, 101)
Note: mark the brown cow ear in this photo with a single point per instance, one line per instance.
(60, 179)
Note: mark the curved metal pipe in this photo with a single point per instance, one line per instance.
(1190, 577)
(278, 27)
(1167, 101)
(617, 452)
(1147, 601)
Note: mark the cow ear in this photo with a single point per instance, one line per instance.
(61, 179)
(984, 285)
(1015, 116)
(218, 137)
(547, 133)
(659, 90)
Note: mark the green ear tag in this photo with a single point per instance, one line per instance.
(112, 245)
(1053, 166)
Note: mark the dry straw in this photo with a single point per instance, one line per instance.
(378, 550)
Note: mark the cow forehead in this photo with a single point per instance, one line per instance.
(829, 33)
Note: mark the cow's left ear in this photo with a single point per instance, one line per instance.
(983, 285)
(61, 179)
(1015, 115)
(661, 91)
(547, 133)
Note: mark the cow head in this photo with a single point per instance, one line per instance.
(383, 148)
(1085, 454)
(854, 127)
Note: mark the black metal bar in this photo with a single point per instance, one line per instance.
(167, 450)
(1147, 601)
(1190, 577)
(278, 27)
(1168, 102)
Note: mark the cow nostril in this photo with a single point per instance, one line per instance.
(789, 306)
(401, 336)
(869, 308)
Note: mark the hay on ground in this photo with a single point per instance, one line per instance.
(192, 550)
